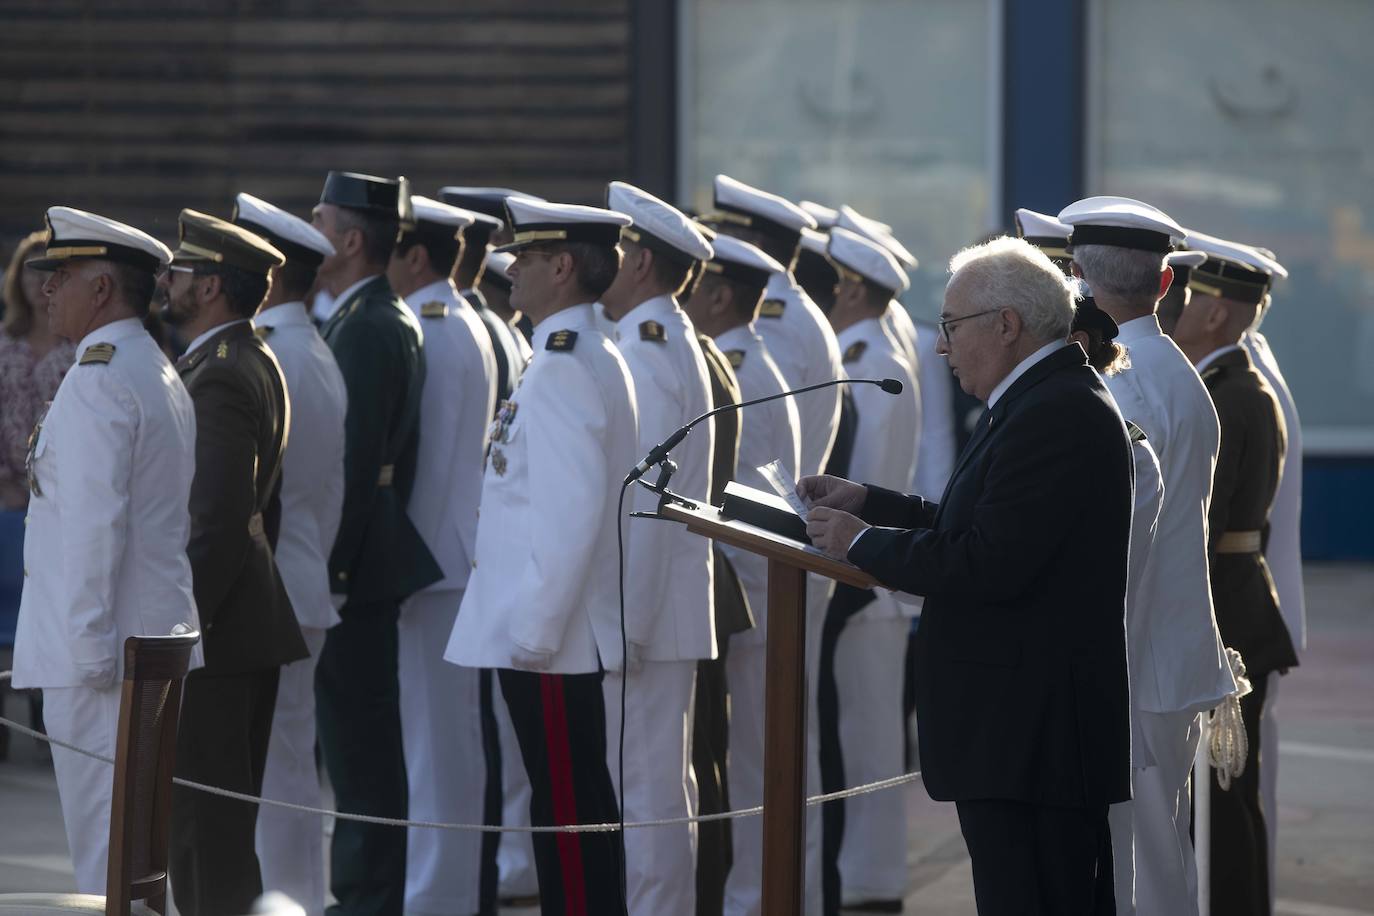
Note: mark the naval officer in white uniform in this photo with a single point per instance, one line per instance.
(441, 722)
(864, 638)
(670, 618)
(542, 603)
(110, 469)
(1179, 667)
(290, 844)
(725, 306)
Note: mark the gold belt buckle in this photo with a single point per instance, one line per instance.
(386, 475)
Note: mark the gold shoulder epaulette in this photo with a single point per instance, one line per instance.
(100, 353)
(855, 350)
(652, 330)
(736, 358)
(222, 351)
(772, 308)
(1135, 432)
(561, 341)
(263, 331)
(435, 309)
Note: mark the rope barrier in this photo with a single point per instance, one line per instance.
(867, 788)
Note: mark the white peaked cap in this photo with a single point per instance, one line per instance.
(77, 235)
(869, 259)
(741, 261)
(533, 221)
(1122, 222)
(814, 241)
(824, 216)
(665, 224)
(277, 225)
(737, 202)
(875, 231)
(1034, 226)
(429, 210)
(1236, 253)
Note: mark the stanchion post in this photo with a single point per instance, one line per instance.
(1202, 818)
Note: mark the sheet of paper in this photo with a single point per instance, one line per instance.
(783, 485)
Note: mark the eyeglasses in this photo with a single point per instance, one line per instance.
(945, 323)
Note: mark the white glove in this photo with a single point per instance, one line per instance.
(98, 678)
(338, 601)
(523, 659)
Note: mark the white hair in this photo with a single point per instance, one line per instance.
(1012, 273)
(1126, 273)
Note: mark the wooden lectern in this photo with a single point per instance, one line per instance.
(785, 700)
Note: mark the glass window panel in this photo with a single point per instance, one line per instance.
(881, 105)
(1251, 119)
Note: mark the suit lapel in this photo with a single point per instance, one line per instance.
(348, 306)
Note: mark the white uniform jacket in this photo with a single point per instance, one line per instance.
(803, 347)
(1149, 497)
(885, 436)
(938, 446)
(1283, 552)
(897, 322)
(456, 404)
(312, 477)
(669, 606)
(1181, 663)
(767, 432)
(109, 517)
(545, 577)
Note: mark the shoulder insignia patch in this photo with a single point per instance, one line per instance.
(263, 331)
(435, 309)
(736, 358)
(855, 350)
(1135, 432)
(561, 341)
(222, 351)
(652, 330)
(100, 353)
(772, 308)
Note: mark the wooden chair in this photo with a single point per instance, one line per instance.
(141, 806)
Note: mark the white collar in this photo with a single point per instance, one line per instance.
(576, 318)
(441, 289)
(1139, 329)
(867, 329)
(195, 344)
(740, 337)
(342, 298)
(110, 333)
(657, 306)
(283, 313)
(1022, 368)
(1214, 356)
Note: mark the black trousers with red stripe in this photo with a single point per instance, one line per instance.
(560, 723)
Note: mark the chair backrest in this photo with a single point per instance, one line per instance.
(140, 811)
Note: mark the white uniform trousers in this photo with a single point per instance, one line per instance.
(660, 862)
(1269, 775)
(441, 733)
(1152, 851)
(515, 853)
(290, 844)
(870, 656)
(88, 719)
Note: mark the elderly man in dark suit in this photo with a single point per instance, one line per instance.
(217, 281)
(1022, 699)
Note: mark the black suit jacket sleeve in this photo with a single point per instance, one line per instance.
(1032, 493)
(369, 367)
(891, 509)
(223, 493)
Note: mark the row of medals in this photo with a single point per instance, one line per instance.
(500, 435)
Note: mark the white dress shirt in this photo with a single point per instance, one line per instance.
(312, 476)
(545, 578)
(1021, 369)
(105, 547)
(767, 432)
(1182, 663)
(456, 404)
(802, 345)
(1284, 550)
(668, 574)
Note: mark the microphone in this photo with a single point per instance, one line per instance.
(659, 453)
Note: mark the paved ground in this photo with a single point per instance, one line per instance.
(1326, 809)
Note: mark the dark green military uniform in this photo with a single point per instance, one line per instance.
(378, 561)
(1253, 441)
(250, 631)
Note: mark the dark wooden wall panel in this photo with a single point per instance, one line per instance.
(138, 108)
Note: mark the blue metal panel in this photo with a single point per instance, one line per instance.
(1337, 508)
(1044, 61)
